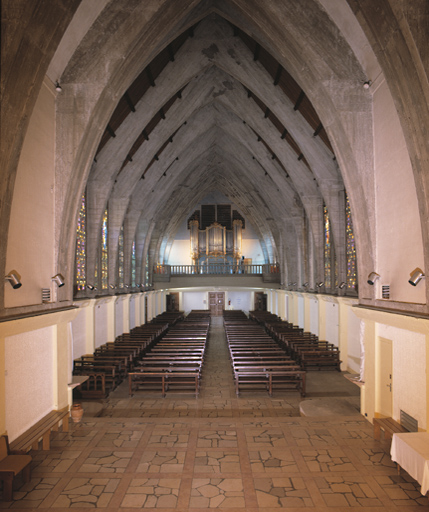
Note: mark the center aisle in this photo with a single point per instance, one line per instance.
(217, 380)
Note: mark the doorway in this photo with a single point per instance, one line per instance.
(217, 303)
(385, 377)
(260, 301)
(172, 302)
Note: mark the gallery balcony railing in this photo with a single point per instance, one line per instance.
(268, 272)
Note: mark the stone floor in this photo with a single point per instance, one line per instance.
(247, 453)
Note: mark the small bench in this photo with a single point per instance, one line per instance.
(42, 430)
(12, 463)
(389, 426)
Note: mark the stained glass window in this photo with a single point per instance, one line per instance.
(350, 249)
(81, 246)
(146, 269)
(327, 234)
(133, 264)
(104, 256)
(121, 258)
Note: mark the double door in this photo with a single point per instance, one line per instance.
(217, 303)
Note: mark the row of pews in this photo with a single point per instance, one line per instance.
(304, 347)
(257, 360)
(175, 362)
(112, 362)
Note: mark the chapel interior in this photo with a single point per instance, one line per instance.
(161, 156)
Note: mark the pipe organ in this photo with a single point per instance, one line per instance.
(216, 243)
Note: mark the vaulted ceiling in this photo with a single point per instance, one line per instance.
(213, 111)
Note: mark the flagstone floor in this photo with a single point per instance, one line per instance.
(248, 453)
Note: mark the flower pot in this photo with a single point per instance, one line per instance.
(76, 413)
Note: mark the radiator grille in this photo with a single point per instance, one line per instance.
(408, 422)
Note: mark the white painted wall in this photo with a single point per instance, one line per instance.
(240, 300)
(100, 315)
(332, 321)
(409, 372)
(132, 313)
(30, 243)
(353, 341)
(195, 300)
(29, 359)
(119, 318)
(180, 253)
(251, 248)
(314, 316)
(399, 238)
(301, 311)
(78, 330)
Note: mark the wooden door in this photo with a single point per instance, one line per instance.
(260, 301)
(385, 382)
(173, 302)
(217, 303)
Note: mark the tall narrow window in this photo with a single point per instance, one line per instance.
(104, 255)
(133, 264)
(146, 271)
(350, 249)
(81, 246)
(121, 258)
(327, 234)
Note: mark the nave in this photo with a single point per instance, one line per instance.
(251, 452)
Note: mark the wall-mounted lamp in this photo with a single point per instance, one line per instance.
(372, 278)
(342, 285)
(319, 285)
(58, 87)
(416, 276)
(367, 84)
(14, 279)
(59, 279)
(91, 287)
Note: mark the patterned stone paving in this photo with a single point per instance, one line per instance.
(251, 453)
(217, 493)
(282, 492)
(152, 493)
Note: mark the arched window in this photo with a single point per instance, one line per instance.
(350, 249)
(104, 255)
(133, 264)
(328, 248)
(80, 262)
(121, 258)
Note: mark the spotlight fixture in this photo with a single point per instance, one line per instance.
(372, 278)
(342, 285)
(58, 87)
(112, 286)
(91, 287)
(319, 285)
(305, 285)
(416, 276)
(14, 279)
(59, 279)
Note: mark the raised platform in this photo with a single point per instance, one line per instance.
(327, 407)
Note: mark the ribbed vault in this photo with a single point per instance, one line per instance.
(216, 107)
